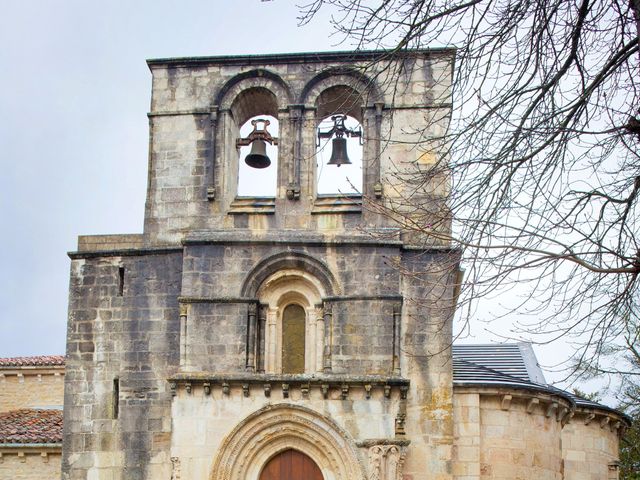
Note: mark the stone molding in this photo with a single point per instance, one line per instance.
(291, 260)
(276, 428)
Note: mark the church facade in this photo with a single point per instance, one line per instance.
(298, 334)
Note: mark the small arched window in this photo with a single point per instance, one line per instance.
(293, 339)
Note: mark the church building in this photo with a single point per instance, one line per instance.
(274, 322)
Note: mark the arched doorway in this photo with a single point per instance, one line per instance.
(291, 465)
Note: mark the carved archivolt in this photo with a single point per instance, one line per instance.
(276, 428)
(386, 462)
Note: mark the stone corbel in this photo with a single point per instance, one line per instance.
(589, 418)
(325, 390)
(293, 191)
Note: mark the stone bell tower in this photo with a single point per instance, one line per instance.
(267, 336)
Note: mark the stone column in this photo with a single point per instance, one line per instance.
(293, 181)
(328, 336)
(397, 317)
(319, 338)
(183, 334)
(252, 313)
(262, 323)
(271, 343)
(211, 189)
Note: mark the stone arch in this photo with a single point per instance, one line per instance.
(344, 77)
(258, 78)
(299, 261)
(276, 428)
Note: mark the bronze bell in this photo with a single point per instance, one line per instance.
(339, 152)
(257, 158)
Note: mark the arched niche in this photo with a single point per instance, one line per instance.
(282, 290)
(277, 428)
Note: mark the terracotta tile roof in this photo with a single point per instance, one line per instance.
(38, 361)
(31, 426)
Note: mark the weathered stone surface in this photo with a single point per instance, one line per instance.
(175, 338)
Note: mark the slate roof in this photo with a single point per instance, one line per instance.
(37, 361)
(29, 426)
(507, 365)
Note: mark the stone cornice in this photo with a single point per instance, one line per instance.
(299, 58)
(128, 252)
(552, 402)
(326, 383)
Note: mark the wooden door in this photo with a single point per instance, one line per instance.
(291, 465)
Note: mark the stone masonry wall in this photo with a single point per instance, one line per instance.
(175, 302)
(30, 466)
(467, 437)
(588, 448)
(131, 339)
(193, 159)
(31, 388)
(516, 444)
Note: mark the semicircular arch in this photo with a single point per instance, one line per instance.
(259, 78)
(289, 261)
(339, 76)
(276, 428)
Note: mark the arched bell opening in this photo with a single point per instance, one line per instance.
(339, 158)
(255, 115)
(258, 161)
(291, 465)
(339, 141)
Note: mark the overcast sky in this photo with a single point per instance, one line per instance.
(75, 90)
